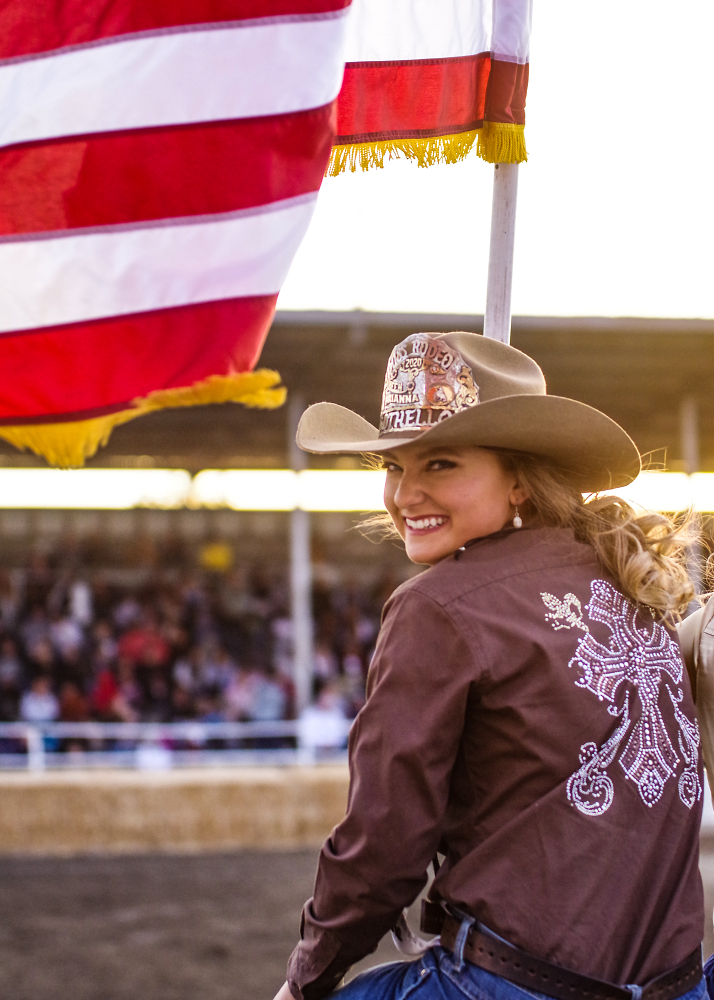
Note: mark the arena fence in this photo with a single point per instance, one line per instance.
(160, 746)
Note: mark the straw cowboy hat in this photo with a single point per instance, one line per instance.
(464, 389)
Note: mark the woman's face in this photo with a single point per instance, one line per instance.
(441, 498)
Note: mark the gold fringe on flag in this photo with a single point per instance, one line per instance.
(502, 142)
(496, 142)
(68, 445)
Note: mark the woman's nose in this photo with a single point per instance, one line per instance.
(408, 492)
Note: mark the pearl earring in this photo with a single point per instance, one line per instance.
(517, 519)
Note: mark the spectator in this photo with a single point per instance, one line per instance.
(80, 603)
(10, 665)
(66, 636)
(35, 628)
(11, 678)
(189, 647)
(239, 695)
(73, 705)
(326, 664)
(105, 691)
(9, 602)
(269, 700)
(39, 704)
(323, 725)
(144, 644)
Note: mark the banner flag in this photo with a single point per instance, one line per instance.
(426, 79)
(159, 166)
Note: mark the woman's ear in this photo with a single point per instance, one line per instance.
(517, 496)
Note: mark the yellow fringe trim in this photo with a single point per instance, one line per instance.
(502, 142)
(68, 445)
(496, 142)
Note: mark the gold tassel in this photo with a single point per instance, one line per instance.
(68, 445)
(502, 142)
(496, 142)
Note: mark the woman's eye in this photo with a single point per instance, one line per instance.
(438, 464)
(391, 467)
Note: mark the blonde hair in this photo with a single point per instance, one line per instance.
(646, 554)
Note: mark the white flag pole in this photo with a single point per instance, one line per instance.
(497, 318)
(300, 574)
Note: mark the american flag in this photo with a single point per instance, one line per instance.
(159, 166)
(427, 79)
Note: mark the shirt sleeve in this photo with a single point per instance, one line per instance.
(403, 746)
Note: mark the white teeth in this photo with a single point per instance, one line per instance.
(424, 522)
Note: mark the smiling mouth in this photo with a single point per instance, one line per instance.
(425, 524)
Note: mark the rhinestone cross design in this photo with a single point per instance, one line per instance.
(640, 660)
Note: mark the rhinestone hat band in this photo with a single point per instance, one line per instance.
(427, 381)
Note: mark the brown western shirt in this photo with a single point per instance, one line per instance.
(538, 729)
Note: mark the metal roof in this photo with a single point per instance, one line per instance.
(637, 370)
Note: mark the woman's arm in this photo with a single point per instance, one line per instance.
(284, 993)
(402, 751)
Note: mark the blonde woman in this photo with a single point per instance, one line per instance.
(529, 720)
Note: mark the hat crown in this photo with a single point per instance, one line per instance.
(433, 376)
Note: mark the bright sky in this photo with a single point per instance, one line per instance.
(616, 204)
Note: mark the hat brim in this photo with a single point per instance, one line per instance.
(577, 437)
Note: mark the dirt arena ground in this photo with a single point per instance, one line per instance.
(207, 927)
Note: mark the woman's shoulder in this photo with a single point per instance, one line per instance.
(498, 558)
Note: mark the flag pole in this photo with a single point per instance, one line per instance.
(497, 318)
(300, 573)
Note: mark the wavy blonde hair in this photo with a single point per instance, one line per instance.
(647, 554)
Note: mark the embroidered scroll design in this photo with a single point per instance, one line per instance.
(641, 660)
(591, 789)
(564, 609)
(690, 788)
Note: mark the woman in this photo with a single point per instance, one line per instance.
(528, 715)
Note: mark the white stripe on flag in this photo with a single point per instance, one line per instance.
(438, 29)
(119, 270)
(512, 30)
(417, 29)
(174, 78)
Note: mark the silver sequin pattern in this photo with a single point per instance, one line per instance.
(637, 662)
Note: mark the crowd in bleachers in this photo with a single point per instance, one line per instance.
(201, 645)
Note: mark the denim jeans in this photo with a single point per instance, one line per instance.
(436, 976)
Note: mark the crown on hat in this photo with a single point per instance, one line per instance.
(427, 381)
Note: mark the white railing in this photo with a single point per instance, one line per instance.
(155, 745)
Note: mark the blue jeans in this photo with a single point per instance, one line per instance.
(435, 976)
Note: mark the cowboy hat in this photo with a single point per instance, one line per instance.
(451, 389)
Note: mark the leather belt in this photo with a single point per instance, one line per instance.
(536, 974)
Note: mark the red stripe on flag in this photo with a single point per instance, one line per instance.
(388, 100)
(31, 26)
(430, 97)
(506, 95)
(110, 362)
(163, 173)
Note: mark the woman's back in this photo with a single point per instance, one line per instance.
(545, 729)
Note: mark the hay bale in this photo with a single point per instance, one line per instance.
(58, 813)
